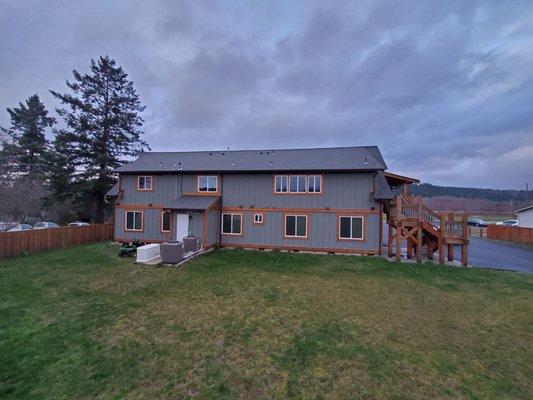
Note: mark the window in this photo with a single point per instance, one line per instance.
(296, 226)
(297, 183)
(258, 218)
(314, 183)
(208, 183)
(144, 183)
(351, 228)
(165, 221)
(134, 220)
(281, 184)
(232, 224)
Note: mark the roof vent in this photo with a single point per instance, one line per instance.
(271, 162)
(160, 163)
(233, 163)
(179, 166)
(261, 152)
(366, 161)
(210, 154)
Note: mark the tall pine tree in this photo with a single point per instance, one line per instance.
(104, 128)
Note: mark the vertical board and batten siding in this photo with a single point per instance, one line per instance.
(340, 190)
(513, 234)
(213, 226)
(321, 234)
(165, 188)
(36, 240)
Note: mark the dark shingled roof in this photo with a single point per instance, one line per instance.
(191, 202)
(382, 188)
(113, 191)
(366, 158)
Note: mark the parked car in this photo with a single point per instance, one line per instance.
(509, 222)
(21, 227)
(477, 222)
(45, 225)
(79, 223)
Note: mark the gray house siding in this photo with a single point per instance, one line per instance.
(321, 233)
(340, 190)
(245, 192)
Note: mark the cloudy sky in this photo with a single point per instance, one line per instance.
(444, 88)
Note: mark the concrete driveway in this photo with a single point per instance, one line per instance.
(484, 253)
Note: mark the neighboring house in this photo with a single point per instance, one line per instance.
(525, 217)
(327, 200)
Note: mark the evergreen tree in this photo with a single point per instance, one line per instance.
(104, 128)
(27, 147)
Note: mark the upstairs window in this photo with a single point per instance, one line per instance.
(296, 226)
(144, 183)
(314, 183)
(351, 228)
(165, 221)
(281, 184)
(208, 183)
(134, 221)
(232, 224)
(297, 183)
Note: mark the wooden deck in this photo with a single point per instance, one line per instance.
(424, 230)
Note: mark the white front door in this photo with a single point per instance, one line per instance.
(182, 226)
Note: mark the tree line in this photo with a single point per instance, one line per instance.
(60, 168)
(429, 190)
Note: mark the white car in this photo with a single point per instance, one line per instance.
(21, 227)
(509, 222)
(79, 223)
(45, 225)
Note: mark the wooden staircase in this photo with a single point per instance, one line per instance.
(424, 230)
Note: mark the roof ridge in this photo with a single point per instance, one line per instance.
(264, 149)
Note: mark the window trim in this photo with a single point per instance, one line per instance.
(285, 236)
(258, 222)
(306, 192)
(222, 224)
(207, 192)
(274, 184)
(161, 222)
(363, 227)
(126, 221)
(321, 180)
(139, 183)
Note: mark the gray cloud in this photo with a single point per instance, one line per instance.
(444, 88)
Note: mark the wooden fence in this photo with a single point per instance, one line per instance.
(36, 240)
(510, 233)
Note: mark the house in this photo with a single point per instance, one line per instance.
(525, 217)
(325, 199)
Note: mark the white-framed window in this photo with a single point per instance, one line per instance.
(351, 227)
(258, 218)
(165, 221)
(133, 221)
(296, 226)
(232, 224)
(297, 183)
(144, 183)
(208, 183)
(281, 184)
(314, 183)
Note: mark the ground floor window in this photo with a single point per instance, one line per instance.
(296, 226)
(351, 227)
(232, 224)
(134, 220)
(258, 218)
(165, 221)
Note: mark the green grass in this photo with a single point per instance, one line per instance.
(83, 323)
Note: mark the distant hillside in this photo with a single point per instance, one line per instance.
(429, 190)
(448, 198)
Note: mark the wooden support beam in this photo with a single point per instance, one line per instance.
(419, 243)
(451, 217)
(442, 239)
(410, 248)
(389, 240)
(464, 246)
(398, 242)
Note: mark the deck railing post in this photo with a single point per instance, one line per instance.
(464, 245)
(451, 218)
(398, 227)
(442, 238)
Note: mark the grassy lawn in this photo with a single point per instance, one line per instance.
(83, 323)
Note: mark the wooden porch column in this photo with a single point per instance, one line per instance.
(442, 239)
(380, 227)
(451, 217)
(419, 230)
(410, 248)
(398, 227)
(389, 240)
(464, 245)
